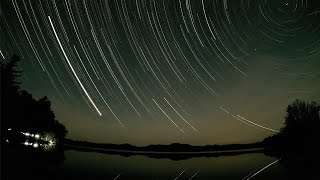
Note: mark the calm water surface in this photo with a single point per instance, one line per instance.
(91, 165)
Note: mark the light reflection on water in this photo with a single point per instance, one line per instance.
(91, 165)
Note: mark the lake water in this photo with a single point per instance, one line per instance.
(91, 165)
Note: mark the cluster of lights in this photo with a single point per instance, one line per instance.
(35, 145)
(36, 136)
(48, 146)
(47, 137)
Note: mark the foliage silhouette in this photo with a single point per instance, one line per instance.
(297, 144)
(20, 112)
(301, 129)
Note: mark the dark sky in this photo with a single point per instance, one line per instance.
(164, 71)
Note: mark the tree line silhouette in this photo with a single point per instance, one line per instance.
(22, 113)
(297, 144)
(300, 132)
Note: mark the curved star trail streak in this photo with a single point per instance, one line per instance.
(257, 124)
(117, 57)
(250, 176)
(71, 67)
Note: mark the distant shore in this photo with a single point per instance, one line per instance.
(173, 151)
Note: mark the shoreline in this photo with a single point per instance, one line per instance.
(77, 147)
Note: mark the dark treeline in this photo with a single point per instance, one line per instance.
(300, 132)
(173, 151)
(20, 112)
(297, 144)
(31, 137)
(174, 147)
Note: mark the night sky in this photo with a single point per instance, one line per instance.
(163, 71)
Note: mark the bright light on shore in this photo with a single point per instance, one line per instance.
(35, 145)
(51, 141)
(48, 137)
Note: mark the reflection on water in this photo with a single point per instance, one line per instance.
(90, 165)
(25, 162)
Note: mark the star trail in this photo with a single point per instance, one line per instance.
(175, 68)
